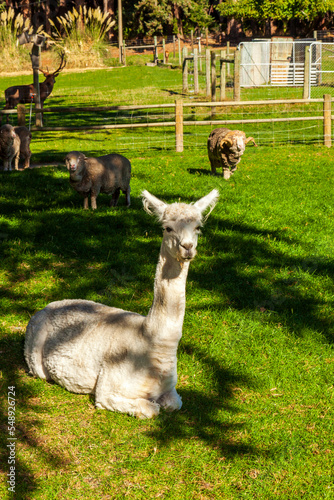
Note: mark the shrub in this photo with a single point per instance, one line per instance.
(12, 55)
(82, 34)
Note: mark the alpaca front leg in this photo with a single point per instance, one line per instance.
(106, 399)
(170, 401)
(141, 408)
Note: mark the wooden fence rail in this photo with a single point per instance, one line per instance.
(179, 121)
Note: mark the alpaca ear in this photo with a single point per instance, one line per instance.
(152, 204)
(208, 201)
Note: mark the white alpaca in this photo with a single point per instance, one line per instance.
(127, 360)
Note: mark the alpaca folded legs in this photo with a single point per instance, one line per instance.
(141, 408)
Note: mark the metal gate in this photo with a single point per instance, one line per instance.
(277, 62)
(321, 69)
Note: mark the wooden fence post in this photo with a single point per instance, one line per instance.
(163, 51)
(196, 87)
(227, 54)
(155, 54)
(35, 54)
(179, 47)
(174, 46)
(306, 92)
(222, 75)
(207, 72)
(124, 53)
(185, 70)
(213, 80)
(179, 125)
(327, 121)
(236, 96)
(199, 54)
(21, 115)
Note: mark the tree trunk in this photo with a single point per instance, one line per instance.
(177, 15)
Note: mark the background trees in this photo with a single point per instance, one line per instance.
(263, 17)
(166, 17)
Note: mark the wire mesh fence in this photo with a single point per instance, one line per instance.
(271, 124)
(140, 129)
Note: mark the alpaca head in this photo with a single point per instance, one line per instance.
(181, 222)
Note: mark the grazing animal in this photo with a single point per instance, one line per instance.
(126, 360)
(106, 174)
(166, 56)
(225, 148)
(9, 147)
(26, 93)
(25, 139)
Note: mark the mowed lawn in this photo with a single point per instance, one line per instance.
(256, 359)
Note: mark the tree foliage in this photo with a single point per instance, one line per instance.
(281, 10)
(153, 17)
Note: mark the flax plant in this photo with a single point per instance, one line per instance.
(13, 55)
(82, 34)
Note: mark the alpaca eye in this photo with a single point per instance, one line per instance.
(169, 229)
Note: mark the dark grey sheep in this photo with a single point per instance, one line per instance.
(106, 174)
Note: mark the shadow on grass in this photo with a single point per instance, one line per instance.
(52, 236)
(293, 296)
(199, 416)
(113, 253)
(199, 171)
(23, 432)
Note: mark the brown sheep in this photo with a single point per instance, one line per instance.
(9, 147)
(25, 138)
(106, 174)
(225, 148)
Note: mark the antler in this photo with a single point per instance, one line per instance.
(61, 65)
(45, 73)
(58, 70)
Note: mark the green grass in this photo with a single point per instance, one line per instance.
(137, 85)
(256, 360)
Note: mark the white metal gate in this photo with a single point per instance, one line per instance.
(277, 62)
(321, 69)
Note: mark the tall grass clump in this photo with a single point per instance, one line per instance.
(12, 55)
(82, 34)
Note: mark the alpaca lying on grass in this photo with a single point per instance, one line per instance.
(127, 360)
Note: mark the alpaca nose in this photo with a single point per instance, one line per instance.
(187, 246)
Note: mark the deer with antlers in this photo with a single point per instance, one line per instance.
(26, 93)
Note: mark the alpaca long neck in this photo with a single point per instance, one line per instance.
(165, 319)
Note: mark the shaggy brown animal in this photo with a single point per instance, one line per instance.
(106, 174)
(9, 147)
(25, 138)
(225, 148)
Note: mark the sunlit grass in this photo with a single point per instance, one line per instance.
(256, 359)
